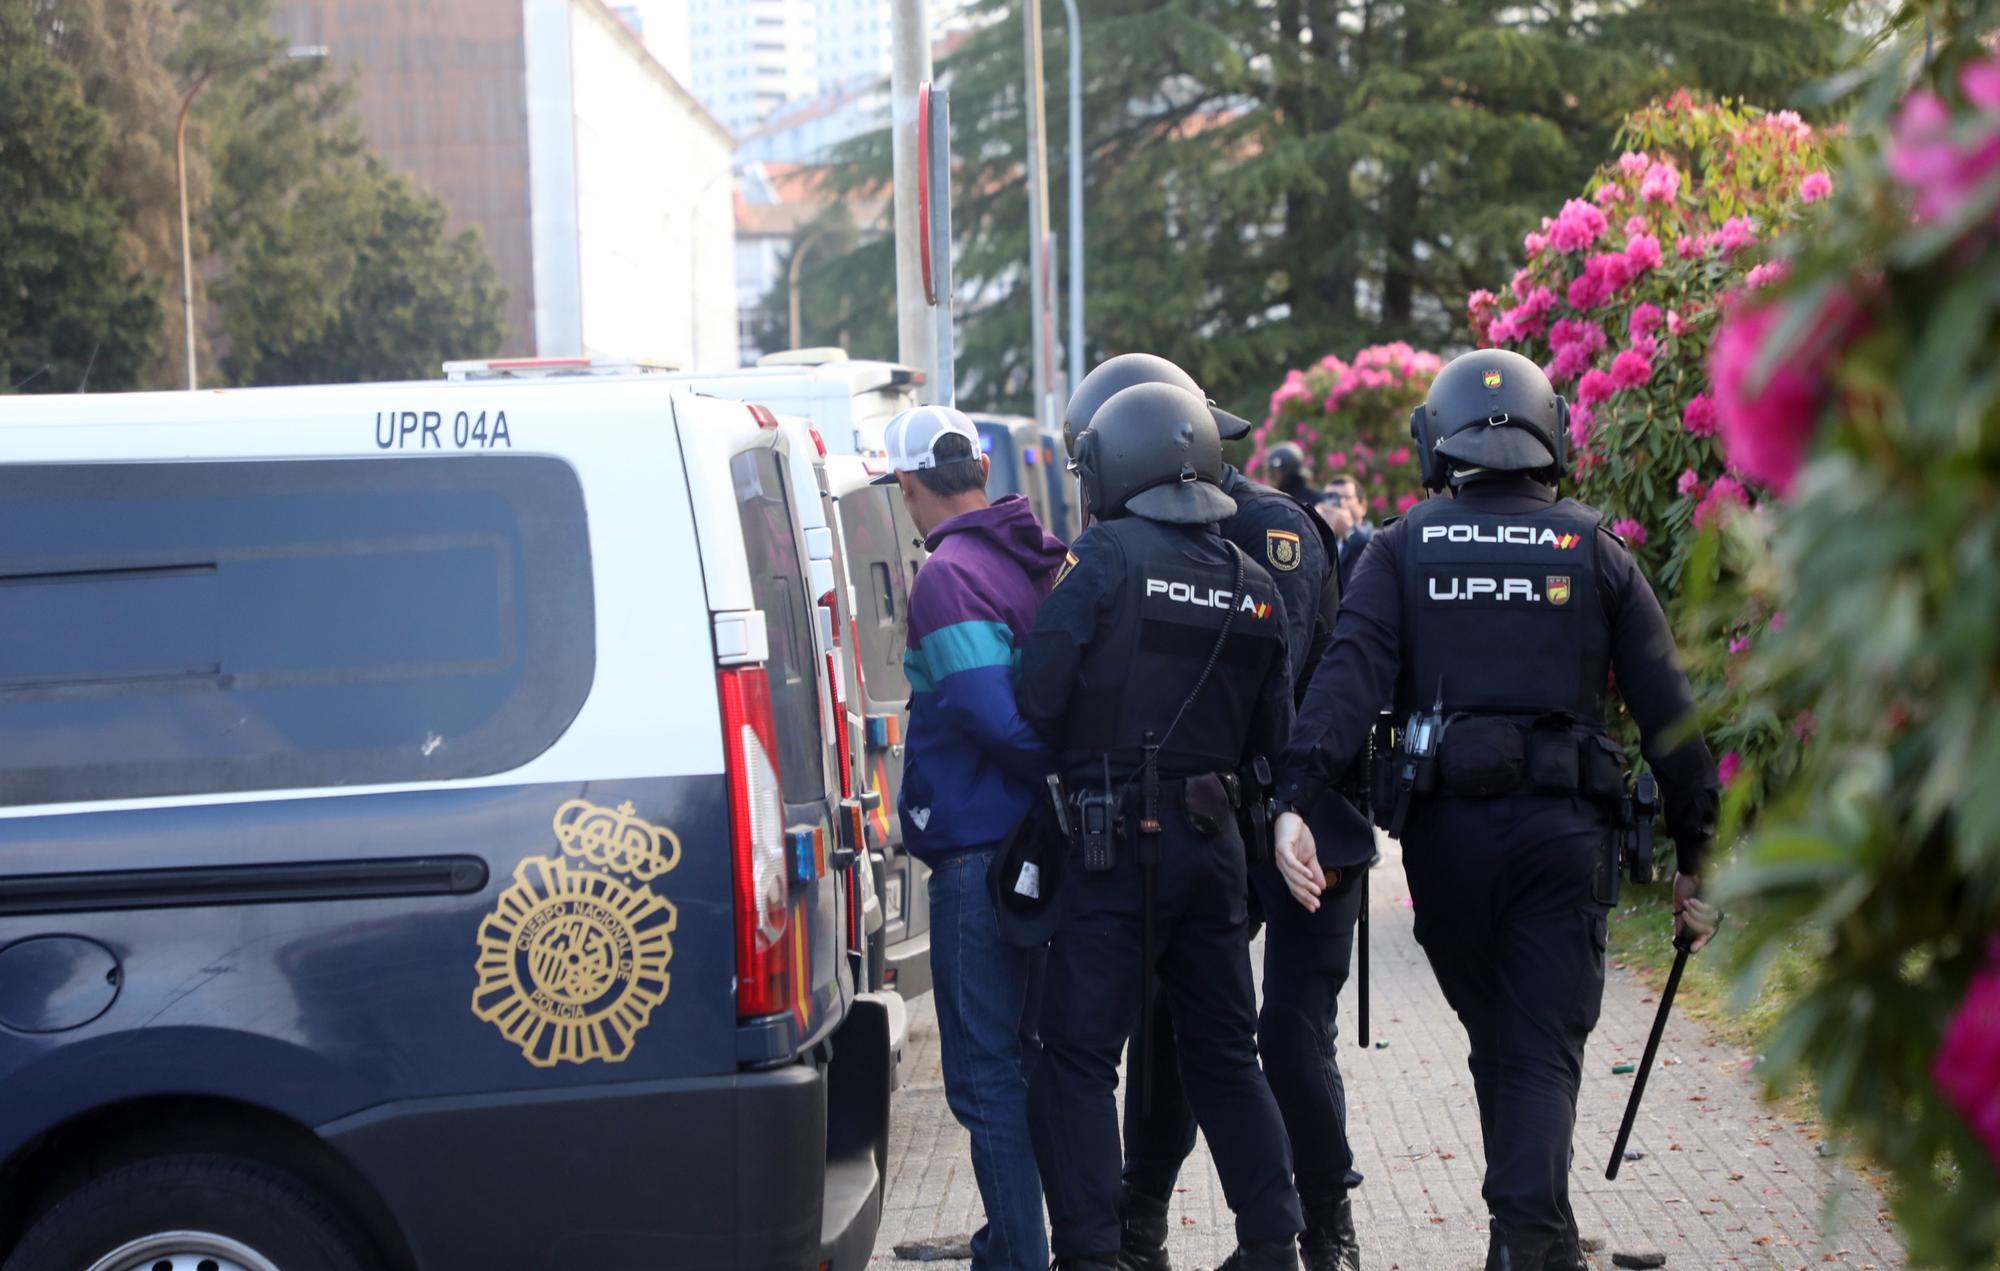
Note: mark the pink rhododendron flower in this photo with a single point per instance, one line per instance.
(1407, 502)
(1632, 163)
(1643, 251)
(1338, 459)
(1661, 185)
(1675, 323)
(1534, 243)
(1777, 622)
(1767, 273)
(1630, 530)
(1940, 169)
(1645, 320)
(1594, 387)
(1732, 763)
(1501, 330)
(1630, 369)
(1607, 194)
(1789, 121)
(1588, 290)
(1578, 226)
(1479, 307)
(1398, 457)
(1568, 331)
(1698, 417)
(1737, 233)
(1980, 81)
(1521, 284)
(1572, 360)
(1741, 644)
(1724, 496)
(1966, 1068)
(1767, 423)
(1690, 485)
(1380, 503)
(1686, 248)
(1815, 186)
(1581, 419)
(1635, 225)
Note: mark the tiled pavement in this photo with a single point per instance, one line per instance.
(1724, 1180)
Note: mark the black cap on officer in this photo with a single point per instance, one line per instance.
(1152, 450)
(1491, 409)
(1115, 375)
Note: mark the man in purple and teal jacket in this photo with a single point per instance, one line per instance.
(972, 766)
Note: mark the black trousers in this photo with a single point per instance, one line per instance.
(1507, 915)
(1092, 992)
(1307, 957)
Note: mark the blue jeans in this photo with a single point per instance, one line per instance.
(988, 995)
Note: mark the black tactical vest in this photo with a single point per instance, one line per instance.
(1154, 637)
(1503, 610)
(1239, 530)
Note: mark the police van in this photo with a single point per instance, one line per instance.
(417, 845)
(1029, 461)
(848, 405)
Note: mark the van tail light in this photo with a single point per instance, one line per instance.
(766, 937)
(836, 680)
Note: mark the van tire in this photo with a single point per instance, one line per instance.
(265, 1210)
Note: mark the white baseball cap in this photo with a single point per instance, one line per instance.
(912, 437)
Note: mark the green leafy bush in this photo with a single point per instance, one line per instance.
(1619, 301)
(1867, 391)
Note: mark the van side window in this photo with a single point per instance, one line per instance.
(770, 541)
(871, 537)
(199, 628)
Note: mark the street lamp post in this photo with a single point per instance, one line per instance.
(1076, 366)
(297, 52)
(792, 272)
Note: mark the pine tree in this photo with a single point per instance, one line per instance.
(72, 313)
(1269, 182)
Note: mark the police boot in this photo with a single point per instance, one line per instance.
(1517, 1250)
(1566, 1254)
(1328, 1243)
(1278, 1255)
(1142, 1231)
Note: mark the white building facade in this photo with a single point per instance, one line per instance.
(747, 57)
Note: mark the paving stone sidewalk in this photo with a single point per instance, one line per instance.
(1724, 1181)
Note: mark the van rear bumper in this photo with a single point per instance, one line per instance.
(743, 1171)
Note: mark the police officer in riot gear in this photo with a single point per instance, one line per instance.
(1307, 954)
(1497, 616)
(1156, 670)
(1285, 464)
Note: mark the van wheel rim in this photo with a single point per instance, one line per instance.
(184, 1251)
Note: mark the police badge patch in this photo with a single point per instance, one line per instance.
(1069, 563)
(1281, 548)
(1559, 589)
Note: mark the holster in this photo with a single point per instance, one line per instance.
(1254, 810)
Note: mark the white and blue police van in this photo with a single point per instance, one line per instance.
(420, 841)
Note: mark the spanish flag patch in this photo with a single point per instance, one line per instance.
(1069, 563)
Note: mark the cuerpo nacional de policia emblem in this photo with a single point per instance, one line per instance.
(1281, 548)
(573, 958)
(1558, 589)
(1492, 379)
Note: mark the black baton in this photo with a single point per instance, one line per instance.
(1681, 951)
(1364, 957)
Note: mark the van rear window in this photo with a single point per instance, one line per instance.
(198, 628)
(770, 542)
(875, 558)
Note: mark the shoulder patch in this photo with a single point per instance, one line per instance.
(1281, 549)
(1069, 563)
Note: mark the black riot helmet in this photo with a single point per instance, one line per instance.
(1117, 374)
(1285, 467)
(1491, 409)
(1152, 450)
